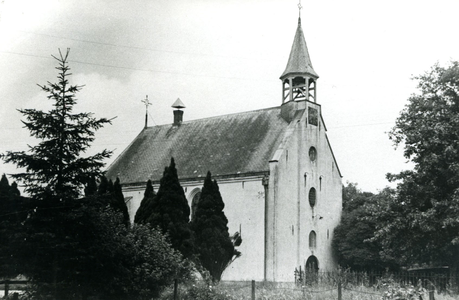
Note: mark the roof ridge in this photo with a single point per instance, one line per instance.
(217, 117)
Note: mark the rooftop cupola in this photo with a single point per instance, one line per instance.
(299, 80)
(178, 113)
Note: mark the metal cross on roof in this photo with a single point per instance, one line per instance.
(146, 102)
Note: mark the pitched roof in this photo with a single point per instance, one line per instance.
(230, 144)
(299, 61)
(178, 104)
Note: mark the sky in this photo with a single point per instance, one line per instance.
(223, 57)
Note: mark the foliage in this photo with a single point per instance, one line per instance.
(213, 244)
(394, 290)
(198, 291)
(54, 166)
(352, 237)
(67, 246)
(205, 292)
(146, 205)
(112, 195)
(11, 216)
(421, 224)
(355, 286)
(170, 212)
(99, 256)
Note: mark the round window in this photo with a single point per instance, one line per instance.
(312, 197)
(312, 154)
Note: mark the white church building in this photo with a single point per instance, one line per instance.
(275, 168)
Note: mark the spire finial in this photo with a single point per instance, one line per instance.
(147, 103)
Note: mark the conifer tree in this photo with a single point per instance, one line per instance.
(55, 166)
(6, 210)
(171, 212)
(103, 187)
(13, 213)
(55, 172)
(118, 202)
(213, 243)
(91, 187)
(145, 209)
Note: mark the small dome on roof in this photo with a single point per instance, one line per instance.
(178, 104)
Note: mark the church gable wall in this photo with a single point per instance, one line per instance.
(295, 219)
(244, 200)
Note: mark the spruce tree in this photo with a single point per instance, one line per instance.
(55, 172)
(213, 243)
(171, 212)
(55, 166)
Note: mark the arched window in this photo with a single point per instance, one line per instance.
(195, 195)
(312, 240)
(312, 197)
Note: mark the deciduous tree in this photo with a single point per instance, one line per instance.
(421, 225)
(352, 238)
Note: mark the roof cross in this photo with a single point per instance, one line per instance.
(299, 8)
(147, 103)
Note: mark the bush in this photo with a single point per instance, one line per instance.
(393, 290)
(196, 291)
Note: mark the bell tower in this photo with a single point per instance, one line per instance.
(299, 80)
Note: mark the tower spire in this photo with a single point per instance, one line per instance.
(299, 79)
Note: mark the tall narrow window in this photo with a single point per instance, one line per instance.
(312, 239)
(312, 197)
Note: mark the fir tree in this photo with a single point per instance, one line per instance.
(214, 246)
(171, 212)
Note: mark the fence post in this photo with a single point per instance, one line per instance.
(340, 296)
(253, 289)
(7, 288)
(175, 289)
(432, 295)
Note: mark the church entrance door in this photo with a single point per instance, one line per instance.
(312, 269)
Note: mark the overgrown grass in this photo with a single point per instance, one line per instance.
(320, 291)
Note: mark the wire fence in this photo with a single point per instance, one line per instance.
(341, 285)
(344, 285)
